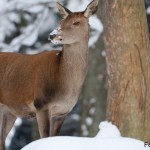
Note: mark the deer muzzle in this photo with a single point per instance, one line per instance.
(55, 36)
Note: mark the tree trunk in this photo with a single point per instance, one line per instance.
(93, 97)
(128, 67)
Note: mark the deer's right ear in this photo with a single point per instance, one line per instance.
(63, 10)
(91, 8)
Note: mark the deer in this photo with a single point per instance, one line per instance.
(46, 85)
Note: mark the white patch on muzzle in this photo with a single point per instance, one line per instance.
(57, 39)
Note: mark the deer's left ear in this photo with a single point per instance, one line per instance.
(63, 10)
(91, 8)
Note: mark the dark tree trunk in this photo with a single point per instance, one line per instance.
(128, 67)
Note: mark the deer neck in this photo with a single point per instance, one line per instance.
(75, 55)
(74, 62)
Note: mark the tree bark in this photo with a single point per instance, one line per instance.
(128, 67)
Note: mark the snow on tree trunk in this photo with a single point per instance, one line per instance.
(128, 67)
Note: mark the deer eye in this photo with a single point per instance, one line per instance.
(77, 23)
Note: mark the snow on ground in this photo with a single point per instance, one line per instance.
(108, 138)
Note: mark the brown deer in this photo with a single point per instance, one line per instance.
(46, 85)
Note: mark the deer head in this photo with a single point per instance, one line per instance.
(74, 25)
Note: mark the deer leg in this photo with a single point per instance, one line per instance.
(56, 123)
(43, 123)
(6, 122)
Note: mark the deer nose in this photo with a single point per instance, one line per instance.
(52, 36)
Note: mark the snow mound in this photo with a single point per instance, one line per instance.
(108, 138)
(107, 130)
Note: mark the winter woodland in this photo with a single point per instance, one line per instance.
(24, 28)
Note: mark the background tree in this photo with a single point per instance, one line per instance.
(128, 67)
(93, 97)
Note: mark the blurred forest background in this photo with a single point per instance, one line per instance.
(24, 28)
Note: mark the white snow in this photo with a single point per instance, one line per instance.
(92, 100)
(108, 138)
(36, 9)
(103, 53)
(84, 129)
(89, 121)
(97, 29)
(92, 111)
(75, 117)
(108, 130)
(41, 15)
(17, 123)
(35, 14)
(148, 10)
(57, 39)
(78, 5)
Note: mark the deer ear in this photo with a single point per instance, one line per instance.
(91, 8)
(63, 11)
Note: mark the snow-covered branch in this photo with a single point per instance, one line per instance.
(21, 22)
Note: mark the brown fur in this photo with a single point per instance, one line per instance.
(45, 85)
